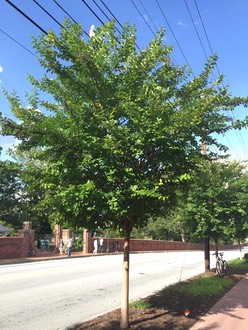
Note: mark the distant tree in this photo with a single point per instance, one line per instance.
(236, 191)
(10, 195)
(122, 129)
(216, 206)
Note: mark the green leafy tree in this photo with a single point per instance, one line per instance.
(11, 197)
(236, 191)
(216, 206)
(19, 196)
(122, 129)
(30, 172)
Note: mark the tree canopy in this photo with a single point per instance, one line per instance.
(216, 205)
(124, 127)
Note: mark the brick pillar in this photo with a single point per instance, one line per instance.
(27, 225)
(66, 233)
(27, 238)
(86, 235)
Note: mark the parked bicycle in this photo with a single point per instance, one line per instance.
(32, 251)
(221, 264)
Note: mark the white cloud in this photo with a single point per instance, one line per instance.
(1, 69)
(181, 23)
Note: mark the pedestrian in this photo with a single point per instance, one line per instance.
(68, 246)
(61, 246)
(95, 245)
(101, 244)
(116, 246)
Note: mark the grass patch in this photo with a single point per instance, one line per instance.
(239, 264)
(209, 285)
(139, 304)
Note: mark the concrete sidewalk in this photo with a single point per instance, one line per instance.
(230, 313)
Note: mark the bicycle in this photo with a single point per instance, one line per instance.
(32, 251)
(221, 264)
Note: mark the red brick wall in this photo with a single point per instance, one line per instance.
(16, 247)
(148, 245)
(141, 245)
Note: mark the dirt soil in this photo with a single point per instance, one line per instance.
(168, 310)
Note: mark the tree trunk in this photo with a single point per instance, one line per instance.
(240, 251)
(125, 283)
(207, 254)
(216, 241)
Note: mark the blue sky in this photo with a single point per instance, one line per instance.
(224, 29)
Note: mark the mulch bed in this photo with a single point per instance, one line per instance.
(168, 311)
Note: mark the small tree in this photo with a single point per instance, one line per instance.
(216, 206)
(124, 129)
(11, 205)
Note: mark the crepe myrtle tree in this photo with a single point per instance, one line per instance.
(120, 130)
(216, 204)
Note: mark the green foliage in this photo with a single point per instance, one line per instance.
(161, 228)
(139, 304)
(12, 198)
(78, 244)
(216, 205)
(205, 286)
(239, 264)
(121, 130)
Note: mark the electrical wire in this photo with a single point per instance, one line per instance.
(142, 17)
(148, 15)
(68, 15)
(26, 16)
(241, 141)
(17, 42)
(199, 38)
(111, 13)
(37, 3)
(108, 18)
(238, 133)
(102, 11)
(163, 14)
(206, 34)
(65, 11)
(94, 13)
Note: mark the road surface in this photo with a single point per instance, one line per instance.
(55, 294)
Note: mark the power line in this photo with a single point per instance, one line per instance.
(94, 13)
(37, 3)
(199, 38)
(68, 15)
(142, 17)
(26, 16)
(111, 13)
(101, 10)
(17, 42)
(148, 16)
(163, 14)
(238, 134)
(108, 18)
(206, 35)
(65, 11)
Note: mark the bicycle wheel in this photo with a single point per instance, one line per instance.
(218, 268)
(225, 267)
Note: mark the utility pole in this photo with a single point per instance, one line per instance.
(206, 239)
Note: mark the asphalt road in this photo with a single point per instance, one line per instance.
(55, 294)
